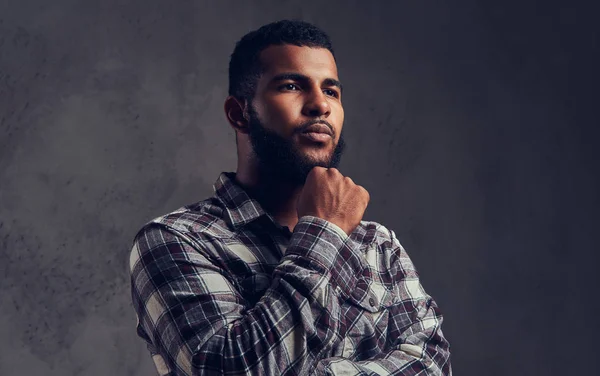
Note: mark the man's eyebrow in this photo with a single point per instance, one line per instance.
(301, 77)
(333, 82)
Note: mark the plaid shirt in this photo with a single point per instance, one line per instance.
(220, 288)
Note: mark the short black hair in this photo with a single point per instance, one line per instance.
(245, 67)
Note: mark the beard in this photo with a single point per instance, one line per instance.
(280, 159)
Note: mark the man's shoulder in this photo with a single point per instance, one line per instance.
(383, 248)
(205, 217)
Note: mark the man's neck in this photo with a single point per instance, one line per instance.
(277, 198)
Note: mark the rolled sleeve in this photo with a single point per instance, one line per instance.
(335, 254)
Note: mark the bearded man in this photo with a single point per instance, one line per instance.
(277, 273)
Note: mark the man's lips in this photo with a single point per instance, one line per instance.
(319, 129)
(316, 136)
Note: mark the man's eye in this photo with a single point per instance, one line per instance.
(330, 92)
(290, 87)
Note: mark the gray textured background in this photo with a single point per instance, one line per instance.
(472, 125)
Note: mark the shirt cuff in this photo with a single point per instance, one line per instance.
(316, 240)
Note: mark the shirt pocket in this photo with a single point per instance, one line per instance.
(371, 292)
(372, 295)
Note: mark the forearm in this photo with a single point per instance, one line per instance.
(406, 360)
(421, 350)
(296, 320)
(395, 362)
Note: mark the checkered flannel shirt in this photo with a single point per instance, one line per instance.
(219, 288)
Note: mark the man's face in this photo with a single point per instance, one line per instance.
(298, 88)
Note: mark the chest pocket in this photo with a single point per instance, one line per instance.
(371, 293)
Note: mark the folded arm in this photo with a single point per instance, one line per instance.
(190, 310)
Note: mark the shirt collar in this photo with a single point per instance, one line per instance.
(240, 208)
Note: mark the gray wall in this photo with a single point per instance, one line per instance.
(472, 126)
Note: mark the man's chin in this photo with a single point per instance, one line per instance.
(312, 159)
(293, 175)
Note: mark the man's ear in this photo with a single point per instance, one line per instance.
(237, 113)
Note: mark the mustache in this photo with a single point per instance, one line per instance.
(307, 124)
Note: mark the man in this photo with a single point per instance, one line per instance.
(277, 273)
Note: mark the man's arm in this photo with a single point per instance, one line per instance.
(418, 346)
(189, 308)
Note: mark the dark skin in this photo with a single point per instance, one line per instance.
(299, 84)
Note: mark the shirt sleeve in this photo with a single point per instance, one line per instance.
(418, 345)
(198, 323)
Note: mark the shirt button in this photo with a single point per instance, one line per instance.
(372, 302)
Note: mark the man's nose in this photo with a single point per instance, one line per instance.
(316, 105)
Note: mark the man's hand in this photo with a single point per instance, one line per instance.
(329, 195)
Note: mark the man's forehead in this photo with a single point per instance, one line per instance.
(310, 61)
